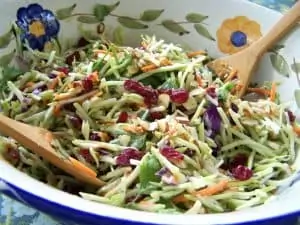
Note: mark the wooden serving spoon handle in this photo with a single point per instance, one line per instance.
(277, 32)
(35, 139)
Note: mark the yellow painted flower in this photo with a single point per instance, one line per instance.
(237, 33)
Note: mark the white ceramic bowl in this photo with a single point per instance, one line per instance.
(175, 21)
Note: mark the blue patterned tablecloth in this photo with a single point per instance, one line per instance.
(14, 213)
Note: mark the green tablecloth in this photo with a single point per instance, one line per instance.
(19, 214)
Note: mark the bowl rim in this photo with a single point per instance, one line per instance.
(78, 206)
(15, 181)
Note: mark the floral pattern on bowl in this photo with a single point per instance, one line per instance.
(237, 33)
(38, 26)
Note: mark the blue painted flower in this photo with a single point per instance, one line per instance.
(38, 26)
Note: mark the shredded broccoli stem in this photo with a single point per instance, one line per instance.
(168, 141)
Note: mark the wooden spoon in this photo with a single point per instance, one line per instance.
(245, 62)
(38, 140)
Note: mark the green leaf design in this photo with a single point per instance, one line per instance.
(113, 6)
(5, 39)
(100, 11)
(276, 48)
(88, 19)
(151, 14)
(296, 67)
(148, 169)
(6, 59)
(131, 23)
(280, 64)
(297, 97)
(65, 13)
(203, 31)
(174, 27)
(195, 17)
(118, 35)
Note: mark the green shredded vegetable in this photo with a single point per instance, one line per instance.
(161, 130)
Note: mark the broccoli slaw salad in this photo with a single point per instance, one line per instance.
(161, 130)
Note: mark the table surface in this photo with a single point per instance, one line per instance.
(14, 213)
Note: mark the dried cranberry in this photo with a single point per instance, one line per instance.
(156, 115)
(74, 56)
(95, 137)
(179, 96)
(190, 152)
(82, 42)
(239, 160)
(171, 154)
(165, 91)
(131, 85)
(85, 153)
(149, 94)
(87, 84)
(129, 153)
(291, 116)
(64, 70)
(211, 91)
(242, 173)
(76, 121)
(13, 154)
(234, 107)
(123, 117)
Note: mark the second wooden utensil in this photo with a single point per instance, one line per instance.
(245, 62)
(37, 140)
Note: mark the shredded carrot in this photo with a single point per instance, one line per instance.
(199, 80)
(261, 91)
(56, 110)
(215, 189)
(165, 62)
(53, 84)
(62, 74)
(196, 53)
(78, 98)
(29, 84)
(273, 92)
(232, 75)
(296, 129)
(104, 136)
(100, 51)
(80, 166)
(179, 199)
(152, 66)
(148, 68)
(134, 129)
(94, 76)
(237, 88)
